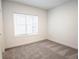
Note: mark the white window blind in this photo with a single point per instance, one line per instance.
(25, 24)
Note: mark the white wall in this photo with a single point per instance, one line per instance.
(62, 24)
(11, 7)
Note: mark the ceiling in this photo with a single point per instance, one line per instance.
(44, 4)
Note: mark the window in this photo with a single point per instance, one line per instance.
(25, 24)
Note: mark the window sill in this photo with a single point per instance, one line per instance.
(26, 35)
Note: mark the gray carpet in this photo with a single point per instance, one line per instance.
(41, 50)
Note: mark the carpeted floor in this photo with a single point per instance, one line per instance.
(41, 50)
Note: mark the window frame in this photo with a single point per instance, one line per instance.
(25, 26)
